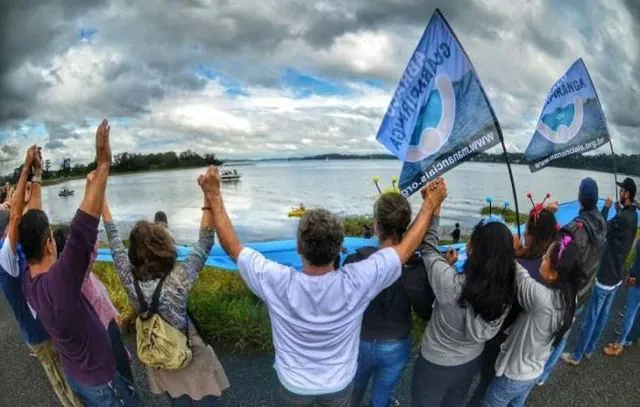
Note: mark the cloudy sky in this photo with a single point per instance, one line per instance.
(247, 79)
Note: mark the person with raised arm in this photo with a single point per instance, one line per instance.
(316, 313)
(52, 288)
(150, 266)
(621, 233)
(469, 310)
(11, 270)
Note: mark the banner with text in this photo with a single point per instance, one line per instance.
(571, 122)
(439, 116)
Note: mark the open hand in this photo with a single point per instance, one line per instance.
(37, 161)
(32, 152)
(103, 147)
(210, 180)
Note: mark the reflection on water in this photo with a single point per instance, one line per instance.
(259, 203)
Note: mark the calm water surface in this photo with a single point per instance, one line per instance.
(259, 203)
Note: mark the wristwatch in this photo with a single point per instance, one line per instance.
(36, 178)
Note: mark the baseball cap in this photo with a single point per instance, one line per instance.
(588, 194)
(628, 185)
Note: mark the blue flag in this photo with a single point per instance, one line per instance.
(571, 122)
(439, 116)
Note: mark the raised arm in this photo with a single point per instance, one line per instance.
(433, 196)
(118, 251)
(210, 184)
(93, 200)
(35, 199)
(75, 259)
(198, 256)
(17, 206)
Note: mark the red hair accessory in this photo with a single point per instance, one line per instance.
(537, 207)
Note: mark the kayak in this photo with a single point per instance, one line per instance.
(285, 251)
(296, 213)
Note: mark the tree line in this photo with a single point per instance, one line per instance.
(123, 163)
(625, 164)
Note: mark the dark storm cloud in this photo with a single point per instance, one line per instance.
(153, 48)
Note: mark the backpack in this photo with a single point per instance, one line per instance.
(414, 281)
(159, 344)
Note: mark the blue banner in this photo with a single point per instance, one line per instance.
(571, 122)
(439, 116)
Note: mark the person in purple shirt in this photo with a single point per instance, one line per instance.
(11, 268)
(52, 289)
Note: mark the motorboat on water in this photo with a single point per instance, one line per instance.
(230, 175)
(65, 192)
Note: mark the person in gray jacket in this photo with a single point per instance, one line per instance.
(468, 311)
(549, 307)
(589, 230)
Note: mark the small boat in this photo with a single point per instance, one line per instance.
(230, 176)
(297, 212)
(65, 192)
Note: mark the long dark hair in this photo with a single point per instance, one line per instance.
(564, 259)
(490, 269)
(542, 227)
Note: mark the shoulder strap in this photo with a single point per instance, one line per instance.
(155, 300)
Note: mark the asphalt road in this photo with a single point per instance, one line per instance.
(603, 381)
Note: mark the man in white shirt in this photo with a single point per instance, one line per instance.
(316, 314)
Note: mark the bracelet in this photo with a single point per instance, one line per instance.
(206, 208)
(36, 179)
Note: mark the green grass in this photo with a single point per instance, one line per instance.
(509, 215)
(355, 225)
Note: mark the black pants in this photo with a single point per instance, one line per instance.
(119, 351)
(487, 372)
(434, 385)
(340, 399)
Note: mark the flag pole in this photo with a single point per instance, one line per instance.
(604, 119)
(615, 169)
(513, 183)
(495, 121)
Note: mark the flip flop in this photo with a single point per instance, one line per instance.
(613, 349)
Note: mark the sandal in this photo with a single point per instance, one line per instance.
(613, 349)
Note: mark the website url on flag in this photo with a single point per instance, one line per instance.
(449, 162)
(582, 148)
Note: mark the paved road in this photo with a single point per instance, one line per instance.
(610, 382)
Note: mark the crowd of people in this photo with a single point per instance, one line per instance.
(337, 329)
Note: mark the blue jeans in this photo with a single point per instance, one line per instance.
(633, 305)
(595, 321)
(635, 331)
(118, 392)
(384, 361)
(442, 386)
(557, 352)
(504, 392)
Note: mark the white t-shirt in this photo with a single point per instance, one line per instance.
(316, 320)
(9, 259)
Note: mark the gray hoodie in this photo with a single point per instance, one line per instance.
(529, 340)
(590, 232)
(454, 335)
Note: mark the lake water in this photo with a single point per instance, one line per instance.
(259, 203)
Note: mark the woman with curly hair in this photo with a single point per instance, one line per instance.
(151, 262)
